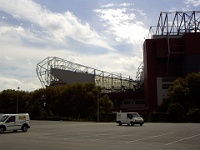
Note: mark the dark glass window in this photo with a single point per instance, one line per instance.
(11, 119)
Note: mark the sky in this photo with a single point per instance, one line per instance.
(103, 34)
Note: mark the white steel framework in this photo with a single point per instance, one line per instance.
(176, 23)
(107, 81)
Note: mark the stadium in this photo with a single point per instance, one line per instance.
(171, 50)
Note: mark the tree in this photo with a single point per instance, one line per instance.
(193, 115)
(73, 101)
(176, 113)
(9, 98)
(185, 92)
(106, 105)
(76, 101)
(179, 92)
(35, 105)
(193, 81)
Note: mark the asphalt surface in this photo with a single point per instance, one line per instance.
(62, 135)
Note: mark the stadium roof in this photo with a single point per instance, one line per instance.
(54, 70)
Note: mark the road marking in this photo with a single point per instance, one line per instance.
(93, 140)
(149, 137)
(103, 134)
(135, 134)
(190, 137)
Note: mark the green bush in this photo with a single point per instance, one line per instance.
(193, 115)
(107, 117)
(176, 113)
(159, 117)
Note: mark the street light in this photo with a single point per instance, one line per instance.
(17, 99)
(97, 105)
(98, 83)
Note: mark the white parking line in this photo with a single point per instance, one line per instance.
(182, 139)
(135, 134)
(102, 134)
(149, 137)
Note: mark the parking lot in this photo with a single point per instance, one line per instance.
(66, 135)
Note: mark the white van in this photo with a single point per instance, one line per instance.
(129, 118)
(14, 122)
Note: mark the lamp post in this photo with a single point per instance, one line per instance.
(17, 99)
(98, 83)
(97, 105)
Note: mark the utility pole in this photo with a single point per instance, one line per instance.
(97, 88)
(97, 105)
(17, 99)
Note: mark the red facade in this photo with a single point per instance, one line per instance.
(168, 57)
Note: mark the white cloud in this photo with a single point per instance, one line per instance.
(107, 5)
(23, 68)
(13, 83)
(58, 26)
(9, 83)
(122, 23)
(34, 33)
(116, 5)
(194, 3)
(18, 65)
(113, 63)
(16, 17)
(8, 58)
(126, 4)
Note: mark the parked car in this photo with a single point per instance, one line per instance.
(14, 122)
(129, 118)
